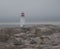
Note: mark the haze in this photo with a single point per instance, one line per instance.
(35, 10)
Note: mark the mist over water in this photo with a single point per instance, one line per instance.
(36, 11)
(54, 23)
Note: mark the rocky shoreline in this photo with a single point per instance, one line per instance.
(34, 37)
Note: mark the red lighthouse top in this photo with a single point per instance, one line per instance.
(22, 14)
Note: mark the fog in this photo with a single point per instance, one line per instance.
(35, 10)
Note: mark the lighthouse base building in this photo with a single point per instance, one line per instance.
(22, 22)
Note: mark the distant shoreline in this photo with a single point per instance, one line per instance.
(4, 25)
(54, 23)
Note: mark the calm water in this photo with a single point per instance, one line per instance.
(18, 24)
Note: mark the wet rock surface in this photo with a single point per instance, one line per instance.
(35, 37)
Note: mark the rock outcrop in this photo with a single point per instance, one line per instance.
(35, 37)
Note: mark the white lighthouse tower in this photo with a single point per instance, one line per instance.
(22, 19)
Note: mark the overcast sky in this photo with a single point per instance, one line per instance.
(35, 10)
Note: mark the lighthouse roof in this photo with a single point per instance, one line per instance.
(22, 14)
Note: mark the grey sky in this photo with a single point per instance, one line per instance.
(35, 10)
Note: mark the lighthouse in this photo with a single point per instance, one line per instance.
(22, 19)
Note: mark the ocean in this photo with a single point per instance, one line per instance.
(18, 24)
